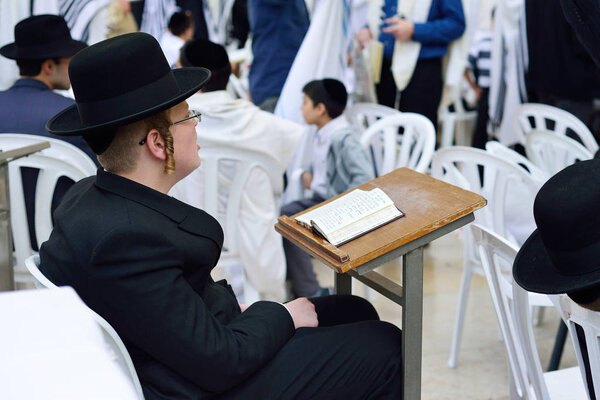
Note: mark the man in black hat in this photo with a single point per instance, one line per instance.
(42, 49)
(142, 259)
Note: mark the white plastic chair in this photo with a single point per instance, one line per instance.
(461, 166)
(511, 303)
(239, 163)
(117, 347)
(500, 150)
(531, 116)
(237, 89)
(363, 115)
(552, 152)
(452, 119)
(589, 322)
(390, 149)
(60, 159)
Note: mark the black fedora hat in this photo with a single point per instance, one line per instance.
(563, 254)
(42, 37)
(119, 81)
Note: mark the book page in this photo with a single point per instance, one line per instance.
(366, 224)
(347, 209)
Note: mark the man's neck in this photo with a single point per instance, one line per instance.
(323, 121)
(42, 78)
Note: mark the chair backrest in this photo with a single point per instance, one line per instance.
(402, 140)
(60, 159)
(589, 322)
(531, 116)
(232, 167)
(236, 88)
(497, 256)
(363, 115)
(112, 338)
(552, 152)
(462, 166)
(500, 150)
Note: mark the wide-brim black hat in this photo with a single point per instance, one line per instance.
(563, 254)
(41, 37)
(119, 81)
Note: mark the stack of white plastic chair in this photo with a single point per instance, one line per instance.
(552, 152)
(589, 323)
(363, 115)
(530, 116)
(60, 159)
(511, 303)
(461, 166)
(53, 348)
(389, 149)
(455, 119)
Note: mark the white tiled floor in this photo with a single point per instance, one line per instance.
(482, 371)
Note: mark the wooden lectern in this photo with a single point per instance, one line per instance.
(6, 247)
(433, 208)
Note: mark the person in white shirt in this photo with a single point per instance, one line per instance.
(181, 29)
(239, 124)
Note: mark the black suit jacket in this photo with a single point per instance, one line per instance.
(142, 260)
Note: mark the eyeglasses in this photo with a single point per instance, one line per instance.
(191, 114)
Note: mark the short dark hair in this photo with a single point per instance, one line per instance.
(180, 21)
(331, 92)
(32, 67)
(213, 56)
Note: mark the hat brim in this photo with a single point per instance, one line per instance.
(66, 49)
(534, 271)
(68, 123)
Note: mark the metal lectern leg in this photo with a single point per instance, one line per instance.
(6, 256)
(412, 322)
(342, 283)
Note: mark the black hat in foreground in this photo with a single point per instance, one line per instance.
(119, 81)
(563, 253)
(42, 37)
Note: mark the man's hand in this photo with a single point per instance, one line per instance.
(363, 37)
(303, 313)
(307, 178)
(401, 29)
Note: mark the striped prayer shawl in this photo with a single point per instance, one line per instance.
(79, 14)
(156, 15)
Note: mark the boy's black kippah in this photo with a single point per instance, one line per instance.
(203, 53)
(336, 91)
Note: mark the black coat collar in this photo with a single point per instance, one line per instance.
(188, 218)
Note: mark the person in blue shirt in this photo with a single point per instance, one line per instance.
(278, 28)
(445, 23)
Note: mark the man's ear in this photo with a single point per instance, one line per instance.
(156, 144)
(48, 67)
(322, 110)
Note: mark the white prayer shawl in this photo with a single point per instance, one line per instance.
(239, 124)
(217, 14)
(156, 15)
(79, 14)
(406, 53)
(507, 88)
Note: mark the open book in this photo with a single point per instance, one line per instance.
(351, 215)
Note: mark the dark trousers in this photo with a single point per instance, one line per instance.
(299, 265)
(423, 93)
(351, 355)
(480, 135)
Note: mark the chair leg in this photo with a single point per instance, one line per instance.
(460, 314)
(448, 123)
(539, 316)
